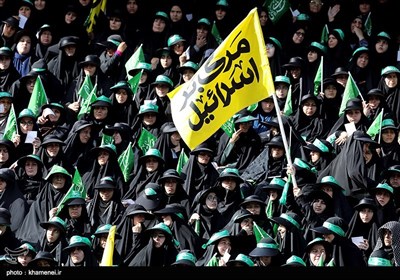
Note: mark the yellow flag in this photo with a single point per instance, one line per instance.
(235, 76)
(108, 254)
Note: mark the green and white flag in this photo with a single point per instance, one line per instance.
(77, 190)
(325, 34)
(229, 127)
(126, 162)
(375, 126)
(38, 97)
(86, 88)
(368, 25)
(134, 81)
(11, 128)
(146, 140)
(288, 108)
(106, 139)
(319, 77)
(183, 158)
(276, 9)
(215, 33)
(134, 60)
(85, 104)
(350, 91)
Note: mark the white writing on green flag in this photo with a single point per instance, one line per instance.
(276, 9)
(11, 125)
(146, 140)
(38, 97)
(126, 161)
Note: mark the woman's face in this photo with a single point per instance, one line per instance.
(175, 14)
(158, 25)
(166, 61)
(312, 56)
(330, 92)
(31, 167)
(121, 96)
(70, 17)
(204, 158)
(52, 234)
(298, 36)
(332, 41)
(315, 156)
(89, 69)
(58, 180)
(277, 152)
(317, 251)
(170, 185)
(162, 90)
(387, 237)
(267, 105)
(115, 23)
(224, 245)
(40, 4)
(84, 134)
(281, 231)
(270, 50)
(362, 60)
(52, 149)
(24, 45)
(229, 183)
(254, 208)
(383, 197)
(3, 185)
(381, 46)
(187, 74)
(353, 115)
(175, 138)
(374, 102)
(281, 90)
(46, 38)
(263, 18)
(26, 124)
(132, 7)
(309, 107)
(4, 155)
(100, 112)
(388, 135)
(75, 211)
(25, 11)
(158, 238)
(106, 194)
(5, 62)
(319, 206)
(151, 164)
(149, 118)
(366, 215)
(391, 80)
(212, 201)
(77, 255)
(103, 157)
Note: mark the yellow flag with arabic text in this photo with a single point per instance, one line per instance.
(108, 254)
(235, 76)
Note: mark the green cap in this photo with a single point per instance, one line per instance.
(77, 240)
(389, 123)
(295, 260)
(389, 69)
(148, 107)
(215, 237)
(189, 64)
(384, 186)
(282, 79)
(5, 94)
(174, 39)
(303, 17)
(28, 246)
(340, 33)
(60, 221)
(318, 46)
(275, 41)
(330, 180)
(26, 113)
(222, 3)
(277, 182)
(163, 79)
(383, 34)
(204, 21)
(163, 227)
(360, 50)
(242, 259)
(102, 100)
(56, 169)
(162, 15)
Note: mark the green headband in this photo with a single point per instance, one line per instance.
(291, 220)
(320, 145)
(186, 257)
(115, 42)
(336, 229)
(267, 245)
(375, 261)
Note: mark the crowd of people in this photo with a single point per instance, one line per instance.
(314, 182)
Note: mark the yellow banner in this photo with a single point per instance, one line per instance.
(108, 254)
(235, 76)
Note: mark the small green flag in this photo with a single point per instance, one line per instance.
(215, 33)
(321, 259)
(288, 108)
(183, 158)
(325, 34)
(252, 107)
(86, 88)
(106, 139)
(331, 262)
(259, 233)
(368, 25)
(375, 126)
(350, 91)
(134, 60)
(126, 161)
(76, 190)
(38, 97)
(276, 9)
(134, 81)
(11, 128)
(318, 77)
(282, 200)
(229, 127)
(85, 104)
(146, 140)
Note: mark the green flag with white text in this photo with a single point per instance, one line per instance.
(86, 88)
(375, 126)
(85, 103)
(38, 97)
(76, 190)
(11, 126)
(146, 140)
(126, 161)
(350, 91)
(276, 9)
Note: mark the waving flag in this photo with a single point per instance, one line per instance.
(133, 61)
(98, 6)
(215, 33)
(146, 140)
(183, 158)
(11, 125)
(276, 9)
(375, 126)
(319, 77)
(126, 161)
(38, 97)
(288, 108)
(86, 88)
(350, 91)
(108, 253)
(235, 76)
